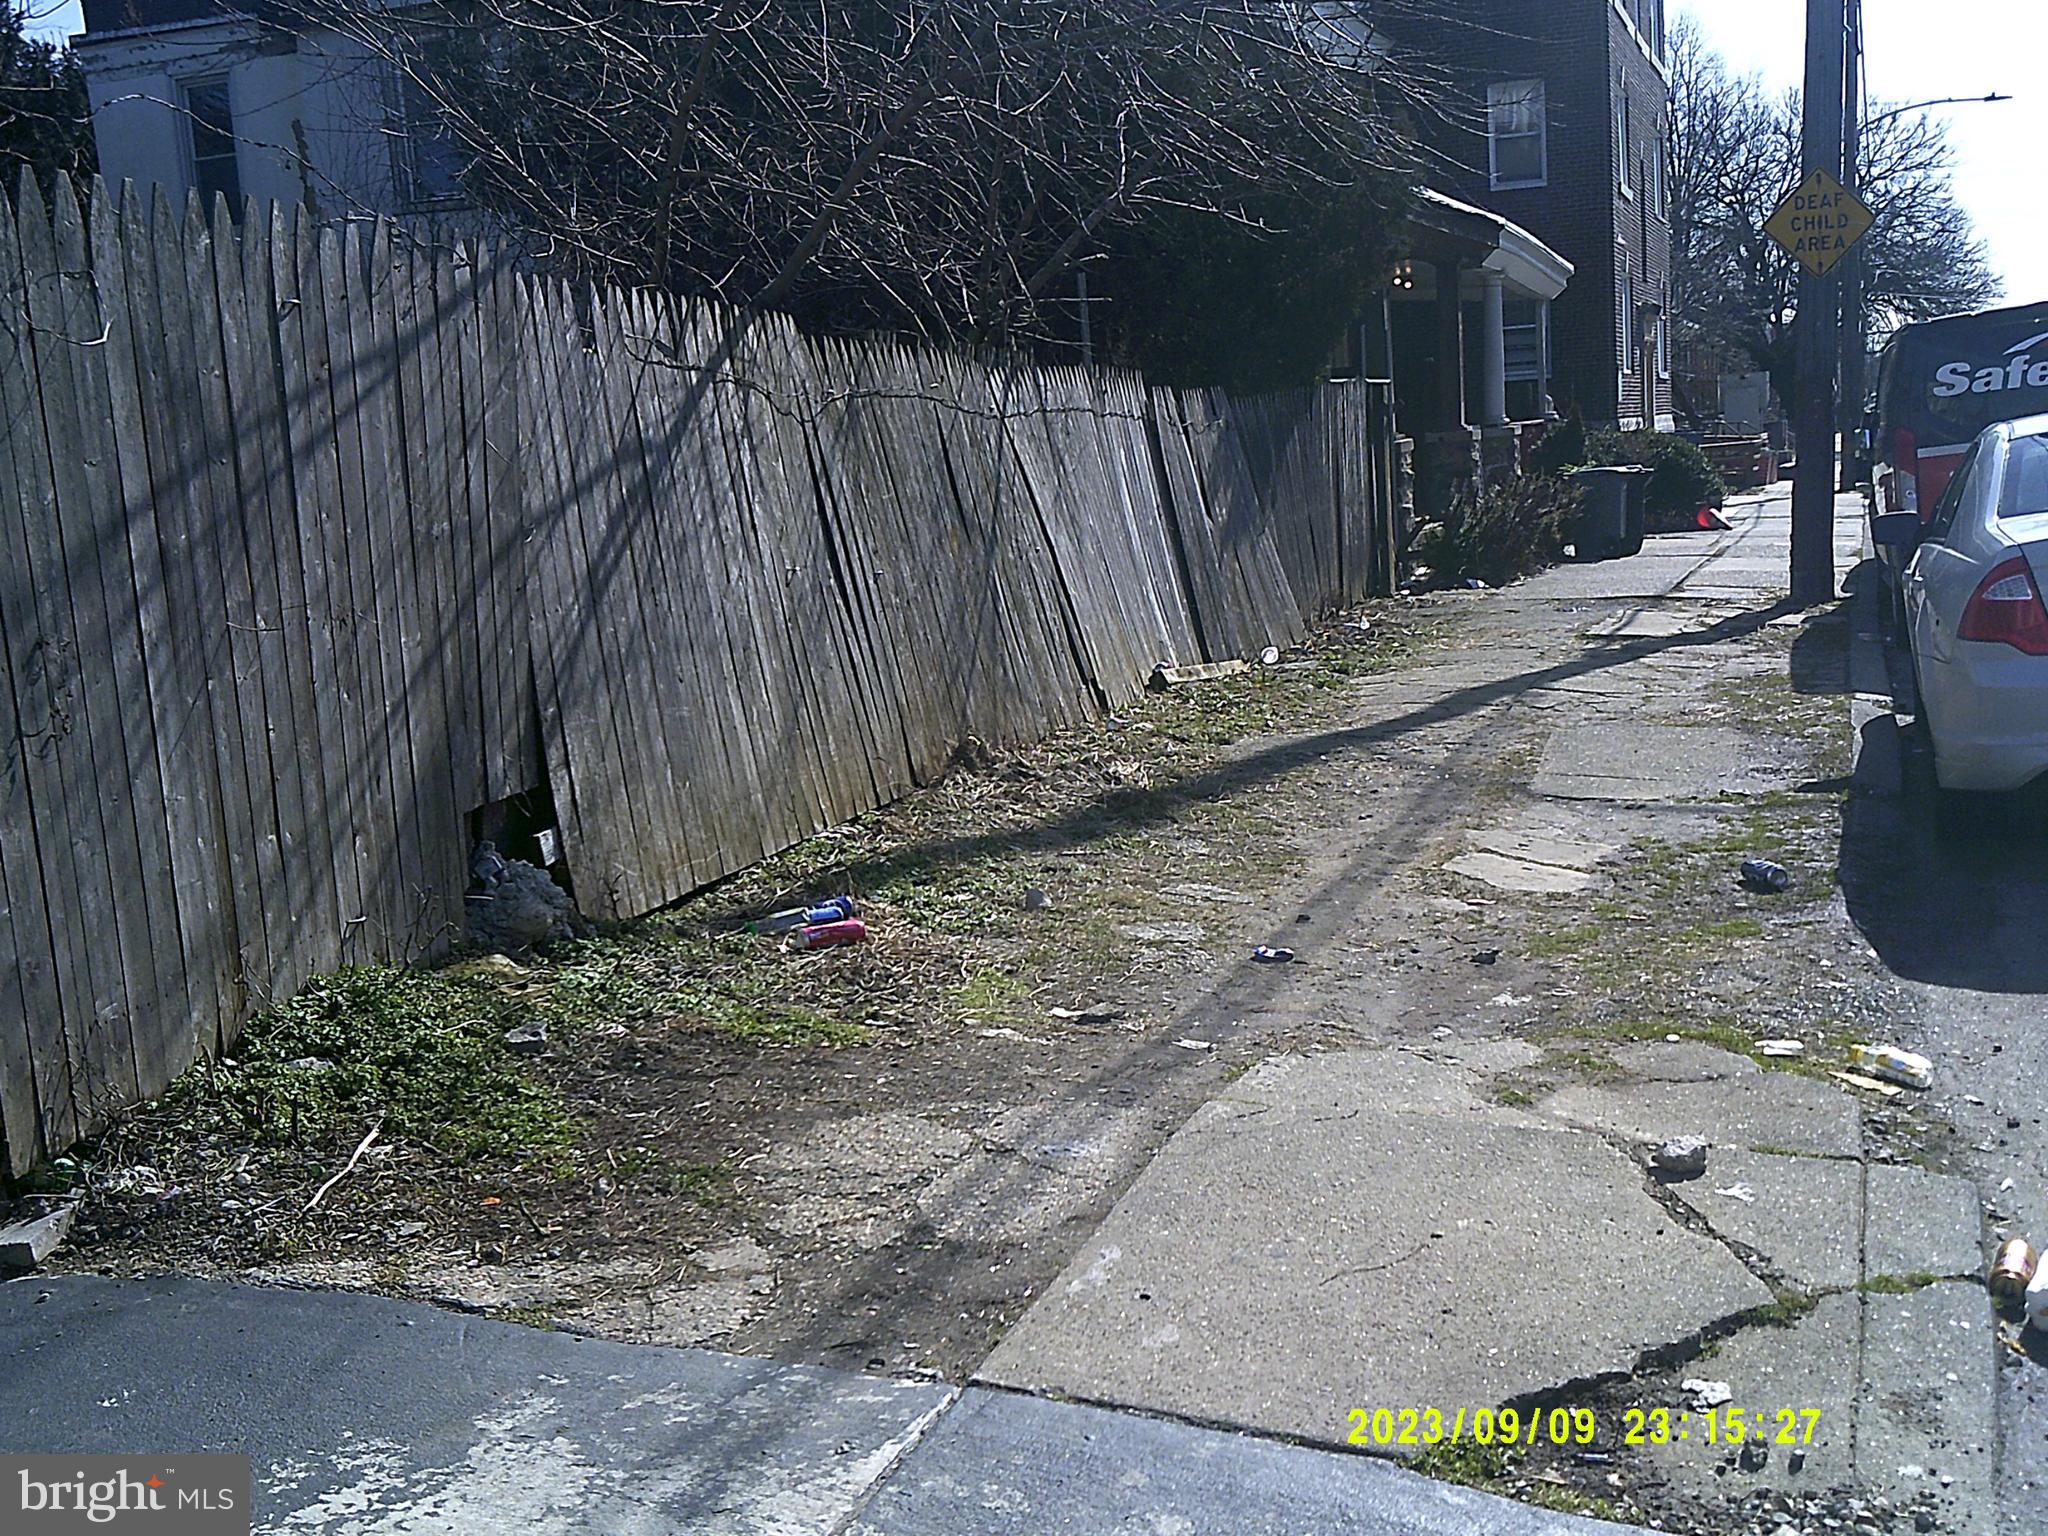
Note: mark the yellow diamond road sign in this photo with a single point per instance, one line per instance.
(1820, 222)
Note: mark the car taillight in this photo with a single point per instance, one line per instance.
(2006, 610)
(1906, 469)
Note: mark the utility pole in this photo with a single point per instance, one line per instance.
(1855, 311)
(1816, 337)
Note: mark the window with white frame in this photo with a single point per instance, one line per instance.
(1517, 134)
(1624, 137)
(1663, 346)
(1522, 335)
(1625, 331)
(210, 140)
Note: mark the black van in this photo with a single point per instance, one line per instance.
(1940, 383)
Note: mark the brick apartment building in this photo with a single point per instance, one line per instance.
(1557, 121)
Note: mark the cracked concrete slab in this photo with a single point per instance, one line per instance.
(1526, 875)
(1810, 1365)
(1830, 1223)
(1805, 1214)
(1550, 852)
(1927, 1401)
(1773, 1109)
(1922, 1223)
(1904, 1387)
(1681, 1061)
(1628, 760)
(1660, 623)
(1363, 1229)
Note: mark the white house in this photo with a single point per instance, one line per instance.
(191, 93)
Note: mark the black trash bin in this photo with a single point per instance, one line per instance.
(1612, 512)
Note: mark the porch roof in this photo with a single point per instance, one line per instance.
(1440, 228)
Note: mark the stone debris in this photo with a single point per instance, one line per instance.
(513, 905)
(1681, 1157)
(24, 1244)
(1704, 1394)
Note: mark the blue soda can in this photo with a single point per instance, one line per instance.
(837, 910)
(1763, 875)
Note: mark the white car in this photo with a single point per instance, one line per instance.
(1974, 611)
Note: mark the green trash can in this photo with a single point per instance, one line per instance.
(1612, 513)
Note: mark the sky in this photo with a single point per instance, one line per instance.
(1919, 49)
(1915, 49)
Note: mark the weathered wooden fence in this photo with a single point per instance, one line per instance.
(313, 542)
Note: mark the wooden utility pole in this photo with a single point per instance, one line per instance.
(1855, 310)
(1817, 337)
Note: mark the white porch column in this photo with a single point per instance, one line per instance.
(1493, 353)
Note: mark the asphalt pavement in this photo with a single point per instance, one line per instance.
(375, 1417)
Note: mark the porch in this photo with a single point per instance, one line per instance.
(1468, 343)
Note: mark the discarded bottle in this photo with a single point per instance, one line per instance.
(838, 909)
(1763, 875)
(824, 935)
(2012, 1271)
(1893, 1064)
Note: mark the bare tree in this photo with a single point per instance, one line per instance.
(939, 166)
(45, 123)
(1734, 154)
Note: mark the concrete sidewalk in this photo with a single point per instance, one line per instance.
(1402, 1227)
(1381, 1213)
(364, 1415)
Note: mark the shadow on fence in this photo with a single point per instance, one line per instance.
(314, 542)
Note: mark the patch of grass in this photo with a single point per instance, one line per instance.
(1788, 1307)
(1466, 1462)
(990, 991)
(1727, 930)
(1564, 941)
(1897, 1285)
(600, 980)
(1513, 1095)
(1570, 1501)
(1586, 1065)
(421, 1054)
(706, 1183)
(790, 1027)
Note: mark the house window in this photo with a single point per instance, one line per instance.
(1516, 134)
(1526, 336)
(1523, 335)
(425, 163)
(1625, 332)
(1663, 347)
(1624, 136)
(210, 141)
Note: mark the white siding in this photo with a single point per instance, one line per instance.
(309, 119)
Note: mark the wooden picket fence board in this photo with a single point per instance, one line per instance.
(316, 540)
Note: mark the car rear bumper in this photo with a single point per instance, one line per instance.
(1987, 711)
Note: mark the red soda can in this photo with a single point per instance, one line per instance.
(824, 935)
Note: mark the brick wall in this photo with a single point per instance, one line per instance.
(1585, 52)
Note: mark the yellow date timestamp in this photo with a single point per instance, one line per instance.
(1581, 1427)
